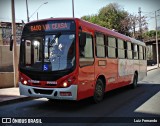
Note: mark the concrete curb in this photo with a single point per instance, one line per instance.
(152, 69)
(16, 100)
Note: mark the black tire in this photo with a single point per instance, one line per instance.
(99, 91)
(135, 80)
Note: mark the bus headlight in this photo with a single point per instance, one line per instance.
(25, 82)
(65, 84)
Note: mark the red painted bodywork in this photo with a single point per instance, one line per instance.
(86, 77)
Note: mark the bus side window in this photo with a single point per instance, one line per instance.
(82, 43)
(135, 51)
(112, 47)
(100, 45)
(144, 53)
(140, 53)
(121, 49)
(129, 50)
(85, 49)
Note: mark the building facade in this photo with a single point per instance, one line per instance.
(6, 56)
(6, 31)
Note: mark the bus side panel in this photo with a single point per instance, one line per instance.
(100, 68)
(85, 82)
(125, 71)
(110, 72)
(142, 69)
(136, 66)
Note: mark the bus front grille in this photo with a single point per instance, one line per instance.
(41, 91)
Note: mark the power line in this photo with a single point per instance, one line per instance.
(147, 12)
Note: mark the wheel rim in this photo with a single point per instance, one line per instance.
(99, 91)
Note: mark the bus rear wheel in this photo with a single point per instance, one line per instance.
(99, 91)
(135, 80)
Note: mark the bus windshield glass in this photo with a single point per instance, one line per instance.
(48, 46)
(50, 52)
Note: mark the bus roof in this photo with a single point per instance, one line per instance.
(113, 33)
(137, 41)
(96, 28)
(50, 19)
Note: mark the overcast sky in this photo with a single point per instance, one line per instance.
(63, 8)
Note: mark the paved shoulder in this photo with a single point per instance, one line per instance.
(11, 95)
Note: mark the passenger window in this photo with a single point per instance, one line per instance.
(144, 53)
(129, 50)
(140, 52)
(100, 47)
(111, 47)
(135, 51)
(85, 49)
(121, 51)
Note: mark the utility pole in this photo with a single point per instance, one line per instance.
(73, 7)
(140, 23)
(27, 11)
(157, 39)
(134, 25)
(28, 18)
(37, 15)
(15, 58)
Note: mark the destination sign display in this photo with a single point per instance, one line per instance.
(49, 26)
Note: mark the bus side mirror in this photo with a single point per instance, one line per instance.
(11, 44)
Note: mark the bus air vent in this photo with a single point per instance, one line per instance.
(41, 91)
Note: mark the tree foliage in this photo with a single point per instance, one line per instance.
(112, 16)
(151, 34)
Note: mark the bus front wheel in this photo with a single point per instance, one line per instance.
(99, 91)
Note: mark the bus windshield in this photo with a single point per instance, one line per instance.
(49, 52)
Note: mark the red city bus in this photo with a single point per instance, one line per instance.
(71, 59)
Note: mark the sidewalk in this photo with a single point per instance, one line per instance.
(11, 95)
(149, 68)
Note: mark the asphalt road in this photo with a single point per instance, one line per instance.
(140, 103)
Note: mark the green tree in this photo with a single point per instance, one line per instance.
(151, 34)
(93, 18)
(111, 17)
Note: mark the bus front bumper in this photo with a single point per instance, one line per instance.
(69, 93)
